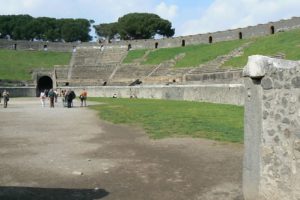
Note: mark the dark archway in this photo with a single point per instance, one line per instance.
(240, 35)
(272, 30)
(210, 39)
(156, 45)
(183, 43)
(43, 83)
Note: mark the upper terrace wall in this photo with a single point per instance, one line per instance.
(235, 34)
(37, 46)
(240, 33)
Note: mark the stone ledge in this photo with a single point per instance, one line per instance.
(258, 65)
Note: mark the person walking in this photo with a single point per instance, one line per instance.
(70, 95)
(43, 98)
(5, 96)
(51, 95)
(83, 97)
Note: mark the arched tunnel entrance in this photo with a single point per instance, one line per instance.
(43, 83)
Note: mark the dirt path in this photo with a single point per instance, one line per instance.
(70, 154)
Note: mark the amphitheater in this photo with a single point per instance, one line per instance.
(102, 71)
(267, 87)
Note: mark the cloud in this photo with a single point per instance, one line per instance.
(99, 10)
(166, 11)
(17, 7)
(228, 14)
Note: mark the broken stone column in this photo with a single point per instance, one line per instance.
(272, 129)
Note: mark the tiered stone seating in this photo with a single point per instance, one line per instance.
(93, 56)
(100, 73)
(215, 76)
(61, 72)
(92, 65)
(86, 56)
(90, 72)
(129, 73)
(112, 55)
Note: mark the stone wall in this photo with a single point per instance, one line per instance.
(216, 93)
(234, 34)
(272, 129)
(37, 46)
(20, 91)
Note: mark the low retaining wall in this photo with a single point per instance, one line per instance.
(20, 91)
(215, 93)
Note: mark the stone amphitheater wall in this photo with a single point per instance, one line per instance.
(234, 34)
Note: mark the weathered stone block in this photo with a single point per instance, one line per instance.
(296, 82)
(267, 83)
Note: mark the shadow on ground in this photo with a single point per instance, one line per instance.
(30, 193)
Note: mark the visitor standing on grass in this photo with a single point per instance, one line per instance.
(5, 96)
(83, 97)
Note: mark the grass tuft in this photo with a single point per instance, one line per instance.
(133, 55)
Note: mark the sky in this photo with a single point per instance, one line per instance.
(188, 17)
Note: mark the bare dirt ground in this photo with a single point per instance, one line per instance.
(69, 154)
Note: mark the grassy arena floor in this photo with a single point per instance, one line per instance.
(168, 118)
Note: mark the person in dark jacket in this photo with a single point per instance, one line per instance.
(51, 95)
(70, 95)
(5, 96)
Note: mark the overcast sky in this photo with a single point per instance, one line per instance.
(187, 16)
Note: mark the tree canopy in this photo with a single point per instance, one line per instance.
(25, 27)
(136, 26)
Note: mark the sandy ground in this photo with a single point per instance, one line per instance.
(70, 154)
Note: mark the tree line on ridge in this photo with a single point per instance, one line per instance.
(130, 26)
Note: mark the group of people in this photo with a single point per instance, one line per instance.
(67, 97)
(5, 96)
(51, 94)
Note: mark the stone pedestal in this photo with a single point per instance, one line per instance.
(272, 129)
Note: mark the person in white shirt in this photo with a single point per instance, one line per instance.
(43, 98)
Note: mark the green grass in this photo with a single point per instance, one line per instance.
(17, 65)
(194, 54)
(135, 54)
(165, 118)
(284, 42)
